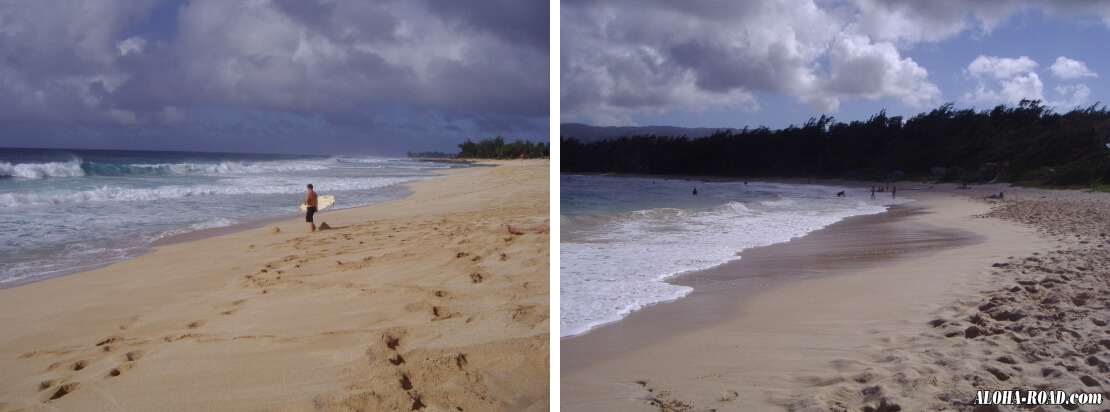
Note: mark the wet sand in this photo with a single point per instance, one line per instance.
(720, 293)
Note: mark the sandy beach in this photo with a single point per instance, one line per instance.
(913, 309)
(428, 302)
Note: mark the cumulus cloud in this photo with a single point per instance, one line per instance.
(1072, 95)
(1000, 67)
(860, 68)
(1066, 68)
(1002, 80)
(131, 45)
(627, 57)
(389, 65)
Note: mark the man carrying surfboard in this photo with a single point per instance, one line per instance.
(310, 200)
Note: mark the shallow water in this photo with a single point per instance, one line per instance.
(622, 236)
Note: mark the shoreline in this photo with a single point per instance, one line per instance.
(380, 312)
(922, 333)
(199, 235)
(720, 292)
(730, 264)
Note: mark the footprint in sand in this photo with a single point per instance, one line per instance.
(391, 342)
(65, 389)
(476, 277)
(82, 364)
(47, 384)
(119, 370)
(397, 360)
(439, 313)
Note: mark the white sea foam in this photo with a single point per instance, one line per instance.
(128, 199)
(41, 170)
(616, 263)
(243, 167)
(236, 188)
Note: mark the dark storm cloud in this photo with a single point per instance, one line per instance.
(519, 21)
(359, 67)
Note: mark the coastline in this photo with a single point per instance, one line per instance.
(719, 293)
(724, 245)
(112, 244)
(873, 335)
(426, 300)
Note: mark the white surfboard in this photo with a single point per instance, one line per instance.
(322, 202)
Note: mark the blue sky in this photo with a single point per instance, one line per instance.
(716, 63)
(288, 76)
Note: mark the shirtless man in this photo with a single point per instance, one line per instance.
(310, 200)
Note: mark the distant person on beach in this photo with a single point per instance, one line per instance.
(310, 200)
(840, 194)
(695, 191)
(894, 192)
(872, 192)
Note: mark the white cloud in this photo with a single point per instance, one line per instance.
(1000, 67)
(1015, 79)
(1071, 96)
(1007, 81)
(652, 56)
(872, 70)
(131, 45)
(1017, 88)
(1066, 68)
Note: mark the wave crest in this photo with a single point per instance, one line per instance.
(42, 170)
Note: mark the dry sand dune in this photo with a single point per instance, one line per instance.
(423, 303)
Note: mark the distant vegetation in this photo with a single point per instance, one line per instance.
(495, 148)
(431, 155)
(1028, 144)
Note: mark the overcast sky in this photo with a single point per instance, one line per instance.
(724, 63)
(289, 76)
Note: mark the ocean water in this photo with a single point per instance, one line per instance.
(621, 237)
(63, 211)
